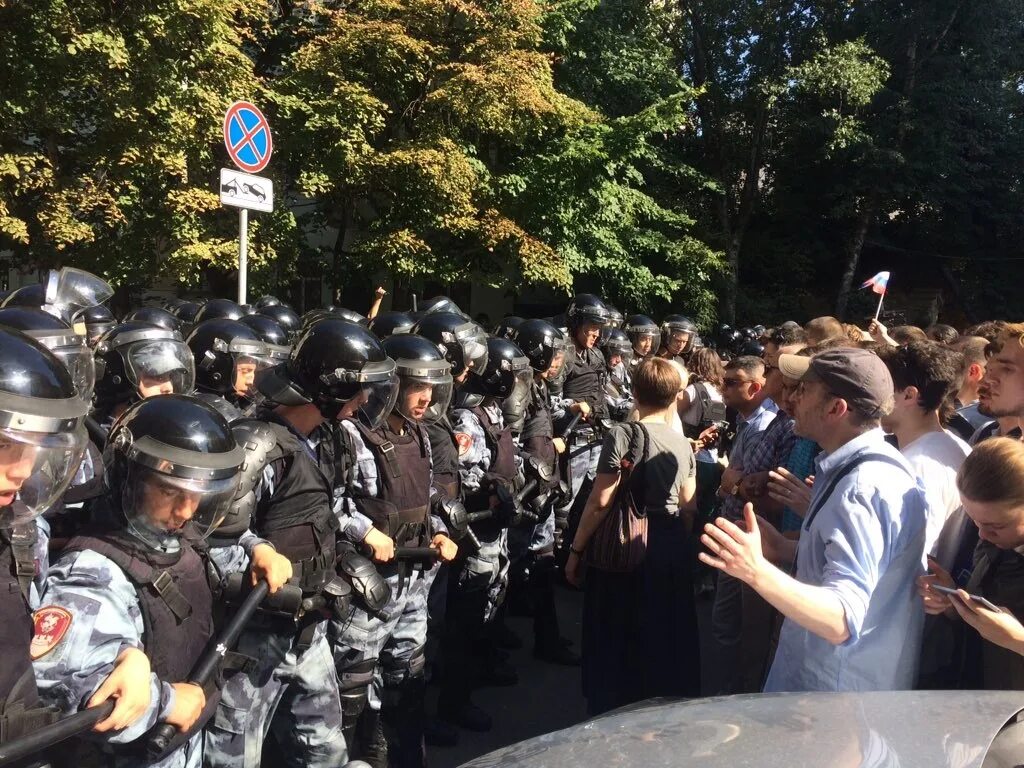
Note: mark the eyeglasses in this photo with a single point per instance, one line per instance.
(733, 382)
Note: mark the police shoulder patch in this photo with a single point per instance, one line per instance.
(465, 442)
(51, 623)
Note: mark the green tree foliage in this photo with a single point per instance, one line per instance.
(109, 134)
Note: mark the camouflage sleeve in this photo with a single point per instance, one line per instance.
(437, 524)
(362, 480)
(474, 456)
(42, 552)
(90, 615)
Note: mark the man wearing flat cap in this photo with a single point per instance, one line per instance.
(852, 621)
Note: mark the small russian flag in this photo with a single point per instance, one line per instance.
(878, 283)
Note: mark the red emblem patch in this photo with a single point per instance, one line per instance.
(51, 624)
(465, 442)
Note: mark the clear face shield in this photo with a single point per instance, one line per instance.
(71, 290)
(473, 341)
(425, 391)
(78, 359)
(249, 358)
(556, 368)
(373, 401)
(514, 405)
(617, 354)
(35, 470)
(161, 367)
(645, 342)
(164, 504)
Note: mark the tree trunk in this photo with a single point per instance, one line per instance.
(727, 306)
(860, 232)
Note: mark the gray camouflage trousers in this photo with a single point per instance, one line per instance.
(393, 641)
(294, 693)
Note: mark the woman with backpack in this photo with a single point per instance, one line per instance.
(640, 634)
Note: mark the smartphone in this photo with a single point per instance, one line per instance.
(976, 598)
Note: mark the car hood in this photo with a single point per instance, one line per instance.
(899, 729)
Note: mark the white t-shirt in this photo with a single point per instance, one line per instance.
(936, 457)
(693, 414)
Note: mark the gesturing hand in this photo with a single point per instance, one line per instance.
(735, 551)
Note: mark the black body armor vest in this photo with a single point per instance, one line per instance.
(444, 452)
(503, 460)
(585, 380)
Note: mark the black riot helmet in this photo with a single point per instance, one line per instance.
(586, 308)
(284, 316)
(347, 314)
(42, 437)
(751, 347)
(424, 377)
(227, 356)
(98, 320)
(338, 366)
(643, 333)
(506, 328)
(614, 317)
(507, 375)
(136, 360)
(387, 324)
(154, 316)
(267, 301)
(219, 309)
(462, 341)
(247, 309)
(58, 337)
(64, 293)
(171, 460)
(615, 342)
(543, 344)
(439, 304)
(272, 334)
(677, 332)
(186, 312)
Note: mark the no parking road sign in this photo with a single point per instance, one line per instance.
(247, 137)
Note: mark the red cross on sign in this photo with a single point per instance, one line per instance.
(247, 137)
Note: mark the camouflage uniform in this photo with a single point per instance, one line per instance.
(387, 650)
(105, 619)
(291, 688)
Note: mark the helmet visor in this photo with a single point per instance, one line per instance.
(623, 351)
(161, 367)
(474, 348)
(245, 369)
(79, 361)
(35, 470)
(646, 341)
(71, 290)
(167, 503)
(424, 399)
(371, 404)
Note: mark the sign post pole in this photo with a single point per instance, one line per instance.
(243, 252)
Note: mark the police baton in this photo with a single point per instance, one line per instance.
(571, 425)
(532, 485)
(209, 663)
(417, 553)
(52, 734)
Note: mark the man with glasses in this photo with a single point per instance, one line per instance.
(743, 390)
(851, 619)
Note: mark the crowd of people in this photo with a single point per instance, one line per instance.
(851, 500)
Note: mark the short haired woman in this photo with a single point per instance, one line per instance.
(640, 628)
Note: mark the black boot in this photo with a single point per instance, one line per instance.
(373, 747)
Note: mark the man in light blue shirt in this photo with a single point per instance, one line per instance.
(851, 618)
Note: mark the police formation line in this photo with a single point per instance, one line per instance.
(387, 482)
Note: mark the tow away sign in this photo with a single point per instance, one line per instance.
(241, 190)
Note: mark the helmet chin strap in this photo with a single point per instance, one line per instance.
(151, 535)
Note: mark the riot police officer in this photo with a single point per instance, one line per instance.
(227, 356)
(677, 334)
(144, 577)
(98, 320)
(272, 334)
(583, 392)
(644, 334)
(41, 442)
(136, 360)
(284, 316)
(388, 502)
(618, 354)
(489, 471)
(531, 549)
(389, 323)
(157, 316)
(218, 309)
(334, 364)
